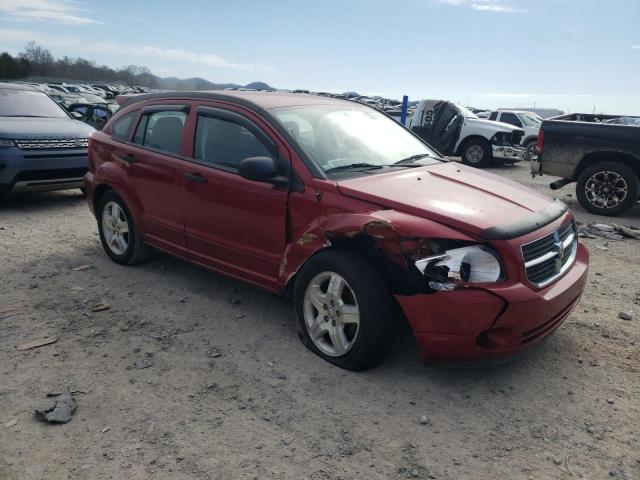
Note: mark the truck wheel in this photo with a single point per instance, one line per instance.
(118, 233)
(530, 149)
(476, 153)
(607, 188)
(344, 310)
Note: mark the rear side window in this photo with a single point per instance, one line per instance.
(161, 131)
(120, 130)
(224, 143)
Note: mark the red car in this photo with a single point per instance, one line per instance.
(341, 209)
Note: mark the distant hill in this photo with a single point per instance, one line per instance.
(173, 83)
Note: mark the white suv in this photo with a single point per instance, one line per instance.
(528, 121)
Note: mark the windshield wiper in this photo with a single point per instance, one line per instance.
(410, 161)
(352, 166)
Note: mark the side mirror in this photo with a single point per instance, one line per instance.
(261, 169)
(76, 115)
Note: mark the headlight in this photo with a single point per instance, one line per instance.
(6, 143)
(474, 264)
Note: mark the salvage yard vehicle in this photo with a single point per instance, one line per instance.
(456, 131)
(528, 121)
(596, 151)
(339, 208)
(42, 147)
(94, 114)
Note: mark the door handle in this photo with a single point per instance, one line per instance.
(127, 157)
(194, 177)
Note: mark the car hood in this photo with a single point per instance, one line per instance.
(23, 128)
(461, 197)
(491, 124)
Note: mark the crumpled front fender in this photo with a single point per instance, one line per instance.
(377, 234)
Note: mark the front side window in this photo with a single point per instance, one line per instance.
(120, 130)
(344, 137)
(161, 131)
(493, 115)
(224, 143)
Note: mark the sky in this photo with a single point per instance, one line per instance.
(575, 55)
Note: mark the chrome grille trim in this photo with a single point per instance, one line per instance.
(548, 258)
(51, 144)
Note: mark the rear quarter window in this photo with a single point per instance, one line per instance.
(120, 129)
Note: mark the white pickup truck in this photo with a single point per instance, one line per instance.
(529, 121)
(455, 130)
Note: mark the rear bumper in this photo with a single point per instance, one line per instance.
(484, 325)
(513, 154)
(40, 171)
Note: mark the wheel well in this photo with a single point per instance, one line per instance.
(470, 138)
(399, 280)
(97, 193)
(604, 156)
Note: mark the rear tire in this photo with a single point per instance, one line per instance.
(352, 328)
(476, 153)
(607, 188)
(119, 234)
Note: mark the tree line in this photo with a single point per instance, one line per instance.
(37, 61)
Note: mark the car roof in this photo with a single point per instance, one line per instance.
(18, 86)
(254, 100)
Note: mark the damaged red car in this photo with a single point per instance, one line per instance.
(344, 211)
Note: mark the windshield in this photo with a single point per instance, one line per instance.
(465, 112)
(338, 137)
(28, 103)
(531, 119)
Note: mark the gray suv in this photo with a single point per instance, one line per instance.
(42, 147)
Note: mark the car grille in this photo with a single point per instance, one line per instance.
(51, 144)
(516, 137)
(547, 258)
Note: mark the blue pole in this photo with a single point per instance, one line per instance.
(405, 106)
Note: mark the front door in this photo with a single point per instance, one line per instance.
(232, 224)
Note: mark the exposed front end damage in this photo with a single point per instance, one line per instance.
(452, 317)
(506, 146)
(383, 238)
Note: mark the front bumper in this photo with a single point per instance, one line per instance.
(476, 325)
(513, 154)
(39, 171)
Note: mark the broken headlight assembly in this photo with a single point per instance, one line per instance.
(460, 267)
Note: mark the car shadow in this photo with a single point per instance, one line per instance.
(41, 200)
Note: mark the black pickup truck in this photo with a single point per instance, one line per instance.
(599, 152)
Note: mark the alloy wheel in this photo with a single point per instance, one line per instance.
(606, 189)
(331, 314)
(115, 228)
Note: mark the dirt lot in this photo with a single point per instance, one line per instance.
(232, 393)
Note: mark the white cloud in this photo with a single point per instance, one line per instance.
(496, 6)
(69, 12)
(635, 47)
(144, 51)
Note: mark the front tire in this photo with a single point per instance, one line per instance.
(607, 188)
(119, 234)
(530, 149)
(344, 310)
(476, 153)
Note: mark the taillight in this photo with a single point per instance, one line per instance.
(540, 143)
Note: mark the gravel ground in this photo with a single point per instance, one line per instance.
(230, 392)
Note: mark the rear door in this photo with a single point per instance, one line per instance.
(232, 224)
(155, 168)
